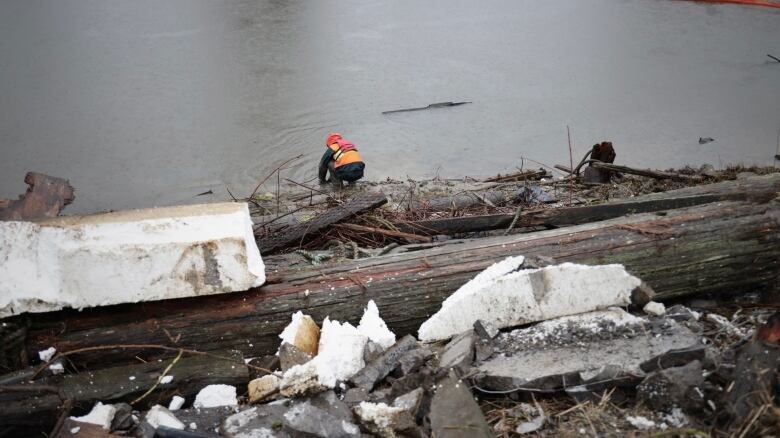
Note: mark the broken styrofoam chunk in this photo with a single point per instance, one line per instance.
(101, 415)
(126, 257)
(374, 327)
(164, 380)
(213, 396)
(159, 416)
(57, 368)
(380, 418)
(506, 297)
(176, 403)
(303, 333)
(340, 357)
(654, 308)
(47, 354)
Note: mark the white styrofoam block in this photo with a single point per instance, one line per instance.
(506, 297)
(213, 396)
(127, 256)
(374, 327)
(159, 416)
(101, 414)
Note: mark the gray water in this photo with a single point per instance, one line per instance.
(143, 103)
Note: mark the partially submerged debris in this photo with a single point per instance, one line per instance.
(126, 257)
(505, 294)
(46, 196)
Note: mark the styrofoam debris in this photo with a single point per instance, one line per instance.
(676, 418)
(640, 422)
(127, 256)
(159, 416)
(164, 380)
(379, 414)
(101, 415)
(47, 354)
(176, 403)
(654, 308)
(374, 327)
(213, 396)
(57, 368)
(506, 296)
(340, 357)
(74, 430)
(726, 325)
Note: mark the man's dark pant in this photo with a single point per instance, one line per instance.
(349, 172)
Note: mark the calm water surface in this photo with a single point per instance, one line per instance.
(143, 103)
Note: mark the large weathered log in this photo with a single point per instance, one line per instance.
(719, 247)
(297, 233)
(34, 407)
(753, 188)
(46, 196)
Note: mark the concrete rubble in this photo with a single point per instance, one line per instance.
(127, 257)
(521, 332)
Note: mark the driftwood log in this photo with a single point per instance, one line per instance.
(721, 247)
(756, 188)
(26, 408)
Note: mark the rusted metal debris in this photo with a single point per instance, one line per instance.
(46, 196)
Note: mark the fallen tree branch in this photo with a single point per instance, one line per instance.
(657, 174)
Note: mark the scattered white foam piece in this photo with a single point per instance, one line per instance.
(101, 415)
(74, 430)
(506, 297)
(176, 403)
(374, 327)
(166, 380)
(127, 256)
(640, 422)
(193, 425)
(654, 308)
(213, 396)
(47, 354)
(57, 368)
(726, 325)
(340, 357)
(676, 418)
(131, 378)
(159, 416)
(379, 414)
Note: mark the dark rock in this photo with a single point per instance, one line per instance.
(642, 295)
(454, 412)
(665, 389)
(422, 379)
(483, 350)
(306, 420)
(381, 395)
(458, 354)
(411, 402)
(290, 355)
(204, 419)
(411, 361)
(270, 362)
(123, 418)
(355, 396)
(372, 352)
(485, 329)
(330, 403)
(379, 368)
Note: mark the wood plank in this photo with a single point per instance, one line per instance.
(297, 234)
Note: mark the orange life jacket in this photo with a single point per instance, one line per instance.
(344, 152)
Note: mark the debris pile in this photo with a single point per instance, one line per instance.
(522, 348)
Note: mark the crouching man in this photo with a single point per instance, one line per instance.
(341, 161)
